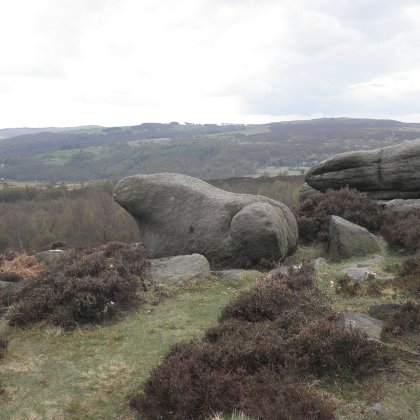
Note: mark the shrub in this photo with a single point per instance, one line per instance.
(402, 230)
(184, 386)
(347, 286)
(405, 320)
(313, 213)
(264, 302)
(275, 294)
(325, 347)
(91, 289)
(10, 276)
(3, 347)
(408, 279)
(269, 341)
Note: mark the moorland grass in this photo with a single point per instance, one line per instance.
(91, 372)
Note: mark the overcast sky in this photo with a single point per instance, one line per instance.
(124, 62)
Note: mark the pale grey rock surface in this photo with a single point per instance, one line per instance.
(402, 207)
(371, 326)
(175, 271)
(53, 256)
(180, 215)
(231, 274)
(387, 173)
(305, 191)
(349, 240)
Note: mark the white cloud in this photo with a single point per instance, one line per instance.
(114, 62)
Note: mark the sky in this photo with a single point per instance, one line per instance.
(125, 62)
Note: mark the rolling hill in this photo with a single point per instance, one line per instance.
(207, 151)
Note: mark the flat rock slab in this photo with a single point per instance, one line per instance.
(371, 326)
(53, 256)
(350, 240)
(6, 284)
(175, 271)
(231, 274)
(387, 173)
(365, 270)
(182, 215)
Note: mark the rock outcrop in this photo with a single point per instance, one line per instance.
(387, 173)
(349, 240)
(179, 215)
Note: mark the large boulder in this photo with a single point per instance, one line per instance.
(349, 240)
(179, 215)
(387, 173)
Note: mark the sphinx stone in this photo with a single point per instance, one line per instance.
(180, 215)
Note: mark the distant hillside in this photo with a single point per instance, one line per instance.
(208, 151)
(14, 132)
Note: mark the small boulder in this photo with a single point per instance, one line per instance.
(402, 207)
(54, 256)
(174, 271)
(231, 274)
(371, 326)
(349, 240)
(305, 191)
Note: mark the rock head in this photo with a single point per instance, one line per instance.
(179, 215)
(387, 173)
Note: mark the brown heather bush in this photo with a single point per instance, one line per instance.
(347, 286)
(93, 288)
(185, 387)
(313, 214)
(269, 342)
(3, 347)
(402, 230)
(405, 320)
(409, 277)
(326, 348)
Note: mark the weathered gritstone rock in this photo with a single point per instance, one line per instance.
(179, 215)
(306, 191)
(349, 240)
(371, 326)
(402, 207)
(387, 173)
(54, 256)
(175, 271)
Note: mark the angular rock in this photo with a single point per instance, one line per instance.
(319, 263)
(179, 215)
(349, 240)
(174, 271)
(387, 173)
(371, 326)
(53, 256)
(6, 284)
